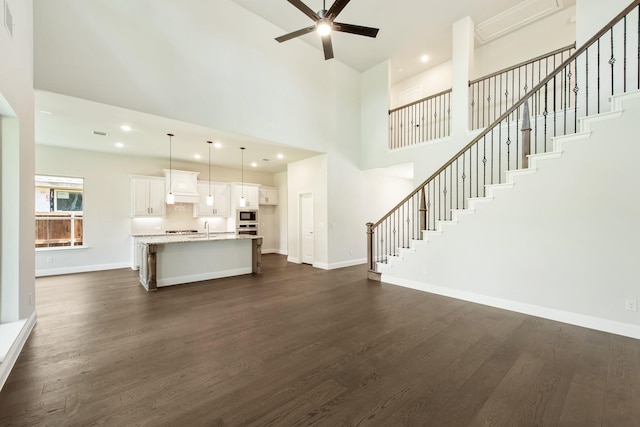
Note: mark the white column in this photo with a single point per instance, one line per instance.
(462, 62)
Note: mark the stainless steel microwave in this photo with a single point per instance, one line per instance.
(247, 215)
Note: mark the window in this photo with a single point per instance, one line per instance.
(59, 211)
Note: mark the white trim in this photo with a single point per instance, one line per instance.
(11, 357)
(62, 248)
(605, 325)
(321, 265)
(293, 259)
(81, 269)
(341, 264)
(204, 276)
(282, 252)
(269, 251)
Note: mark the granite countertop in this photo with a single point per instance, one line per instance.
(162, 233)
(187, 238)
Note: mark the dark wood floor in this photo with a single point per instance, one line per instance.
(302, 346)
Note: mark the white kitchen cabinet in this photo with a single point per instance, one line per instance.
(221, 200)
(147, 196)
(268, 195)
(251, 194)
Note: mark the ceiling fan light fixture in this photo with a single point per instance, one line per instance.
(323, 27)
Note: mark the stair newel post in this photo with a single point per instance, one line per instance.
(370, 261)
(423, 212)
(526, 134)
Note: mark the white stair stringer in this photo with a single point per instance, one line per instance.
(562, 245)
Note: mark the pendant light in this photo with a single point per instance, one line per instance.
(209, 197)
(243, 201)
(170, 197)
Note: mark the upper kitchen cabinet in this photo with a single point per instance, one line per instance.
(268, 195)
(251, 194)
(221, 200)
(147, 196)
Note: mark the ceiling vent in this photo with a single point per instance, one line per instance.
(100, 133)
(514, 18)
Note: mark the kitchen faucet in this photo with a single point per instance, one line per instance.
(206, 225)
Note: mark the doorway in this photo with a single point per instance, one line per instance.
(307, 240)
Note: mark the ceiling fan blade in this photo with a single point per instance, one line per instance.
(295, 34)
(305, 9)
(355, 29)
(336, 8)
(328, 47)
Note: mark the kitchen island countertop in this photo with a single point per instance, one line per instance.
(186, 258)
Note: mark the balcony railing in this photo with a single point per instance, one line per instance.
(423, 120)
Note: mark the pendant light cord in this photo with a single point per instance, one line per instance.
(242, 171)
(209, 142)
(170, 181)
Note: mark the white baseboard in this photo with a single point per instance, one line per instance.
(294, 260)
(600, 324)
(14, 351)
(341, 264)
(205, 276)
(81, 269)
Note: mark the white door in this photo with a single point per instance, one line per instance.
(306, 228)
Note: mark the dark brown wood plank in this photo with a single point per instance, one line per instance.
(298, 345)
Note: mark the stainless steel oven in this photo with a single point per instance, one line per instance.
(247, 229)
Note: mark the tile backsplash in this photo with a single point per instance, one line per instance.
(179, 217)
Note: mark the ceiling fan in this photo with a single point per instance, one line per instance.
(324, 24)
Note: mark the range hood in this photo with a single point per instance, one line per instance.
(184, 185)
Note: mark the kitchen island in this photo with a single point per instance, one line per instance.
(174, 260)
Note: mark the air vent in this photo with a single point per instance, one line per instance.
(97, 132)
(8, 19)
(266, 160)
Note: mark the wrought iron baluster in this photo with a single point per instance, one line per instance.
(624, 62)
(564, 108)
(575, 99)
(586, 82)
(598, 78)
(612, 61)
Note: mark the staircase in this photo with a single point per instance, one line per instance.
(557, 239)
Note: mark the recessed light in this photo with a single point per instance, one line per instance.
(217, 144)
(254, 164)
(119, 144)
(424, 58)
(280, 156)
(197, 156)
(125, 128)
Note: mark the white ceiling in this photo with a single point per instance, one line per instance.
(408, 28)
(72, 121)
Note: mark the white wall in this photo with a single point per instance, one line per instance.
(210, 63)
(17, 112)
(107, 205)
(543, 36)
(111, 52)
(308, 176)
(281, 181)
(561, 244)
(592, 15)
